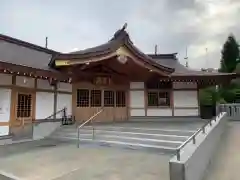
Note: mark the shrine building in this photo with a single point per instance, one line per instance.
(36, 82)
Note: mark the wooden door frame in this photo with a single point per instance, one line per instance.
(90, 86)
(15, 92)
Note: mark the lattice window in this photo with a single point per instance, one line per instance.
(153, 99)
(96, 98)
(82, 98)
(164, 99)
(108, 98)
(120, 99)
(156, 98)
(24, 105)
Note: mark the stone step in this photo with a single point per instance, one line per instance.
(133, 129)
(124, 134)
(122, 144)
(127, 139)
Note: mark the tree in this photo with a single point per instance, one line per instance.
(230, 55)
(209, 96)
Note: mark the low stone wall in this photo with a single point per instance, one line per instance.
(38, 131)
(195, 158)
(44, 129)
(232, 110)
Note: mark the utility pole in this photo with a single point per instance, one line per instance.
(186, 57)
(156, 49)
(46, 42)
(206, 62)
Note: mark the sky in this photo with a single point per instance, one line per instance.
(200, 26)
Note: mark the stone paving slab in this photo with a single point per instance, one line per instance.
(225, 164)
(66, 162)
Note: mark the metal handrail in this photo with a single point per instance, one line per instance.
(84, 123)
(61, 110)
(23, 120)
(193, 137)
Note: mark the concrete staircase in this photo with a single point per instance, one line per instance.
(133, 137)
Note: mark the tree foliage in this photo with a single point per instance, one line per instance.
(209, 96)
(230, 55)
(229, 63)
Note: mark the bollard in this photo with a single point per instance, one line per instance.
(178, 154)
(194, 140)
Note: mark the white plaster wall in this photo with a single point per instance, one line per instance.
(25, 81)
(184, 85)
(137, 99)
(44, 104)
(44, 84)
(4, 130)
(5, 79)
(185, 98)
(5, 103)
(64, 100)
(186, 112)
(159, 112)
(137, 112)
(136, 85)
(65, 87)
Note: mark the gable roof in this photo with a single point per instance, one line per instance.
(120, 38)
(166, 62)
(170, 60)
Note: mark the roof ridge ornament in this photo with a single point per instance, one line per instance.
(120, 32)
(124, 26)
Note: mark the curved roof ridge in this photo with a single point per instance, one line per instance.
(120, 38)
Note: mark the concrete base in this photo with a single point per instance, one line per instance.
(195, 158)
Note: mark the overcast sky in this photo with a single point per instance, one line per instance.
(171, 24)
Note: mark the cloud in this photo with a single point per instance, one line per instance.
(172, 24)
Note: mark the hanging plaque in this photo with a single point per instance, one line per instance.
(102, 81)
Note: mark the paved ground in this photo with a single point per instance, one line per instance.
(51, 160)
(226, 162)
(55, 160)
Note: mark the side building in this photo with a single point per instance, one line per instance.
(29, 90)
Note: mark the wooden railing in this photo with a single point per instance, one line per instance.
(232, 110)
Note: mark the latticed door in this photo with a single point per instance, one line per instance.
(24, 106)
(91, 101)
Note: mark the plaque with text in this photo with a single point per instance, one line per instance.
(102, 81)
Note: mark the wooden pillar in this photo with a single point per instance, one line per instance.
(172, 100)
(145, 99)
(198, 99)
(13, 102)
(34, 99)
(55, 103)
